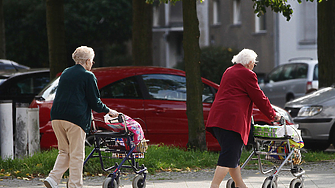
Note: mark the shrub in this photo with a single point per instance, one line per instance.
(214, 60)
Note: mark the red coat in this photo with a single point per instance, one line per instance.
(232, 107)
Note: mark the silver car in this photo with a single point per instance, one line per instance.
(291, 80)
(315, 114)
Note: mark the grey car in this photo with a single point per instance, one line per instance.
(315, 114)
(291, 80)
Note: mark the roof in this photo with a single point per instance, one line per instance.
(11, 65)
(13, 72)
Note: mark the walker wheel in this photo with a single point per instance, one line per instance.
(230, 183)
(108, 183)
(296, 183)
(267, 183)
(139, 182)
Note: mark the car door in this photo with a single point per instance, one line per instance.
(298, 85)
(165, 108)
(270, 88)
(124, 96)
(279, 84)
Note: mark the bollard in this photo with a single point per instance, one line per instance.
(33, 131)
(21, 132)
(6, 130)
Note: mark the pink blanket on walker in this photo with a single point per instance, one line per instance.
(132, 126)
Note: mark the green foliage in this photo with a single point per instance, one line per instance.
(160, 157)
(214, 61)
(280, 6)
(39, 164)
(25, 30)
(314, 156)
(165, 1)
(163, 158)
(96, 23)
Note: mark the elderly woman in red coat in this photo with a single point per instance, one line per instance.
(230, 115)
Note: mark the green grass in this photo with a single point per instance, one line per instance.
(157, 158)
(313, 156)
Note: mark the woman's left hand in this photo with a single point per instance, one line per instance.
(277, 117)
(113, 113)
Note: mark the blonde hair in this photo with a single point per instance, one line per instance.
(244, 57)
(82, 53)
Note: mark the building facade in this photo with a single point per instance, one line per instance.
(232, 23)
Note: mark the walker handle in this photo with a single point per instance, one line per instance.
(120, 118)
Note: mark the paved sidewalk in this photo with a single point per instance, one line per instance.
(317, 175)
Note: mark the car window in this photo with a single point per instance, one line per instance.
(27, 85)
(207, 94)
(275, 75)
(316, 72)
(288, 72)
(127, 88)
(2, 80)
(34, 84)
(7, 67)
(301, 71)
(172, 87)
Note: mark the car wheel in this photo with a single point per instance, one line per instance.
(332, 136)
(289, 97)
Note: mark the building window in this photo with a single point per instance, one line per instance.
(216, 12)
(260, 23)
(236, 12)
(307, 32)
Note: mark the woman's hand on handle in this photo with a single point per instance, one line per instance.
(113, 113)
(277, 117)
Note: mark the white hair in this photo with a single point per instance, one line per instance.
(244, 57)
(82, 53)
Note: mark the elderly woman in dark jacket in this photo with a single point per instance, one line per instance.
(76, 96)
(230, 115)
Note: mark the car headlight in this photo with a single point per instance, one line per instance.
(309, 111)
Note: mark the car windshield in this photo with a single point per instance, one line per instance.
(49, 92)
(2, 80)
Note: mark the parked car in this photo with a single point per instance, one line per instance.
(11, 65)
(291, 80)
(22, 86)
(156, 95)
(315, 114)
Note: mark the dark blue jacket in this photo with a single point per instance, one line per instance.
(76, 96)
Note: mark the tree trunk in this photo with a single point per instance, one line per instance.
(2, 33)
(191, 34)
(326, 43)
(142, 33)
(56, 36)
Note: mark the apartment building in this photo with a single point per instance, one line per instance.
(232, 23)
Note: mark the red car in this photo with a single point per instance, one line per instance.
(156, 95)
